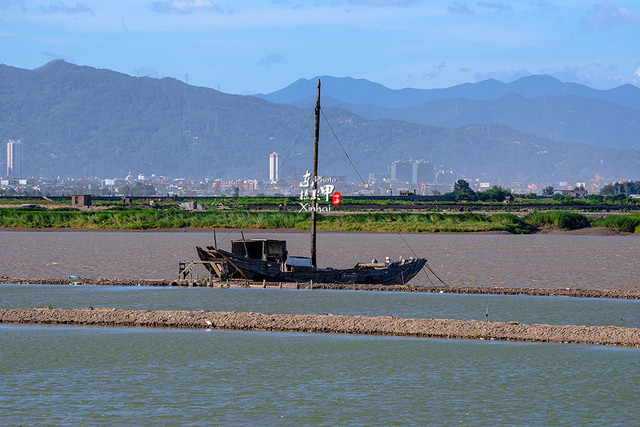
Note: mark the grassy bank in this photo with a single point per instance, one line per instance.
(430, 222)
(558, 219)
(147, 219)
(626, 223)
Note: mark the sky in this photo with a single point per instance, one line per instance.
(260, 46)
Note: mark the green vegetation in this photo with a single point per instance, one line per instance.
(240, 213)
(621, 188)
(145, 219)
(425, 223)
(558, 219)
(462, 190)
(625, 223)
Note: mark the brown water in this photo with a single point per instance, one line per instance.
(544, 261)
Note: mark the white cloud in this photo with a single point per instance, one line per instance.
(147, 72)
(6, 4)
(383, 2)
(435, 71)
(52, 56)
(184, 6)
(502, 76)
(60, 7)
(542, 4)
(461, 8)
(274, 58)
(606, 16)
(595, 75)
(497, 7)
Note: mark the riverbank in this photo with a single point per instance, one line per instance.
(469, 290)
(426, 222)
(328, 323)
(588, 231)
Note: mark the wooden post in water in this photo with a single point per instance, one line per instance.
(314, 183)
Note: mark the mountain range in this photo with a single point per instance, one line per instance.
(80, 121)
(361, 91)
(538, 105)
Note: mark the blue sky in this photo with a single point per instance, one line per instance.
(252, 46)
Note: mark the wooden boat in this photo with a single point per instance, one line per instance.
(262, 259)
(269, 260)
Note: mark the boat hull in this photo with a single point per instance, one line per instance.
(395, 273)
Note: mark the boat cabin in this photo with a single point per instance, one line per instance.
(268, 250)
(263, 249)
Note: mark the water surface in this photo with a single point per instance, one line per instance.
(503, 308)
(89, 376)
(543, 261)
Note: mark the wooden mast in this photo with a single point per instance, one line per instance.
(314, 183)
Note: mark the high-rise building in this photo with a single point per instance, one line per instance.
(274, 166)
(14, 159)
(412, 172)
(402, 171)
(423, 172)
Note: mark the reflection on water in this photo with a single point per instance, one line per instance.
(547, 261)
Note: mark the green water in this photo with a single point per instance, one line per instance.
(111, 376)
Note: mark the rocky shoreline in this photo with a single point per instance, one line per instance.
(471, 290)
(339, 324)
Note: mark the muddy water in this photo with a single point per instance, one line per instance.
(544, 261)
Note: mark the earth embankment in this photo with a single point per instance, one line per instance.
(327, 323)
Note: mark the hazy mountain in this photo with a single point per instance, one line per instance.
(80, 121)
(361, 91)
(566, 118)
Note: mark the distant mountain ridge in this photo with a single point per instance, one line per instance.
(540, 105)
(361, 91)
(570, 118)
(80, 121)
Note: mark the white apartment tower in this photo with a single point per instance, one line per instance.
(274, 166)
(14, 159)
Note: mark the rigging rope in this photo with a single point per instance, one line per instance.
(295, 143)
(293, 146)
(371, 193)
(283, 162)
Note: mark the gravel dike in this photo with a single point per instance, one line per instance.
(471, 290)
(386, 326)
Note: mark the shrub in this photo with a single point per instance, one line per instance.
(558, 219)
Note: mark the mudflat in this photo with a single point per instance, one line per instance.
(381, 325)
